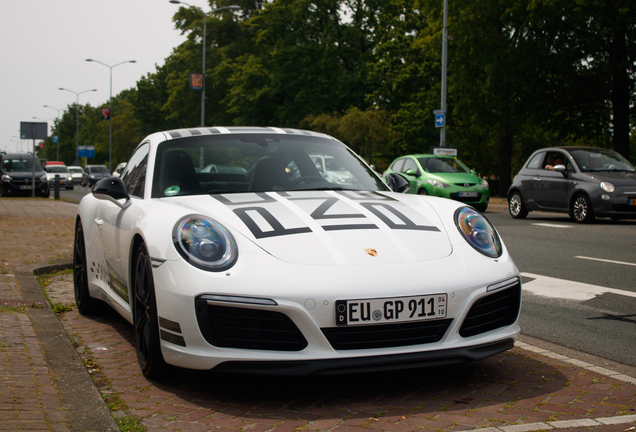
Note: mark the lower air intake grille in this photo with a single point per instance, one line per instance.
(386, 335)
(496, 310)
(231, 327)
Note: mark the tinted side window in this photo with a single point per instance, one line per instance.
(134, 176)
(409, 164)
(535, 162)
(397, 165)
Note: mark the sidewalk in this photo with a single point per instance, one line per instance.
(52, 382)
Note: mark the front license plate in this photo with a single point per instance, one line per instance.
(26, 187)
(467, 194)
(390, 310)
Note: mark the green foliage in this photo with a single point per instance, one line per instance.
(521, 75)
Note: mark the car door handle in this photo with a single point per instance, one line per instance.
(99, 221)
(537, 179)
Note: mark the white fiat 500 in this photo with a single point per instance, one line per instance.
(269, 267)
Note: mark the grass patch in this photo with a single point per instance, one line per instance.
(130, 424)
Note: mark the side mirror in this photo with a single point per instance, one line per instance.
(411, 172)
(397, 183)
(560, 168)
(112, 189)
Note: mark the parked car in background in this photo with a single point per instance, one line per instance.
(93, 174)
(76, 173)
(65, 178)
(119, 169)
(585, 182)
(442, 176)
(17, 171)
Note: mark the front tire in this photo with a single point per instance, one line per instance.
(581, 209)
(516, 206)
(422, 192)
(86, 305)
(147, 342)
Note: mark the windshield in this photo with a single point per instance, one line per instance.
(442, 165)
(601, 160)
(75, 170)
(57, 169)
(256, 163)
(99, 170)
(19, 164)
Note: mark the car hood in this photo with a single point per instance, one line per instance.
(331, 228)
(618, 178)
(24, 174)
(457, 178)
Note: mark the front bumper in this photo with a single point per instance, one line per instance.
(306, 297)
(24, 187)
(616, 205)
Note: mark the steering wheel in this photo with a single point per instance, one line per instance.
(306, 180)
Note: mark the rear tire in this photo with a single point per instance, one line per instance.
(422, 192)
(145, 318)
(516, 206)
(86, 305)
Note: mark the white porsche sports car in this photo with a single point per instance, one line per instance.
(272, 268)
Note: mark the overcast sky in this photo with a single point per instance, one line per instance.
(44, 44)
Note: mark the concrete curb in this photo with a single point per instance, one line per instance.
(85, 407)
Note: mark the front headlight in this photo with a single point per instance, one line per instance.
(438, 183)
(607, 187)
(484, 183)
(478, 232)
(69, 178)
(204, 243)
(44, 178)
(6, 178)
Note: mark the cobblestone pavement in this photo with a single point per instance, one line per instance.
(524, 389)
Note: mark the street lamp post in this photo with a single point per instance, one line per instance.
(205, 16)
(47, 122)
(59, 128)
(442, 138)
(110, 115)
(77, 122)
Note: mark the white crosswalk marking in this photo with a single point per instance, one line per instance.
(565, 289)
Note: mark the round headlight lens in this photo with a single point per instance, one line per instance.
(204, 243)
(478, 232)
(438, 183)
(607, 187)
(484, 183)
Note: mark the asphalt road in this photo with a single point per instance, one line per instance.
(567, 270)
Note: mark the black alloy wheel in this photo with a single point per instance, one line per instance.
(147, 341)
(581, 209)
(516, 206)
(86, 305)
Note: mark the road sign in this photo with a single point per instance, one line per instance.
(86, 151)
(440, 120)
(196, 81)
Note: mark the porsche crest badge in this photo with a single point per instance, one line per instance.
(372, 252)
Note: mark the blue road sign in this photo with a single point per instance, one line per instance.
(440, 120)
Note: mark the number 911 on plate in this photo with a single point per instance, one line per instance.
(390, 310)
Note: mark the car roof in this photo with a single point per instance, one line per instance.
(18, 155)
(570, 148)
(214, 130)
(428, 155)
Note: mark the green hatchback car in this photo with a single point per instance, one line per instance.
(442, 176)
